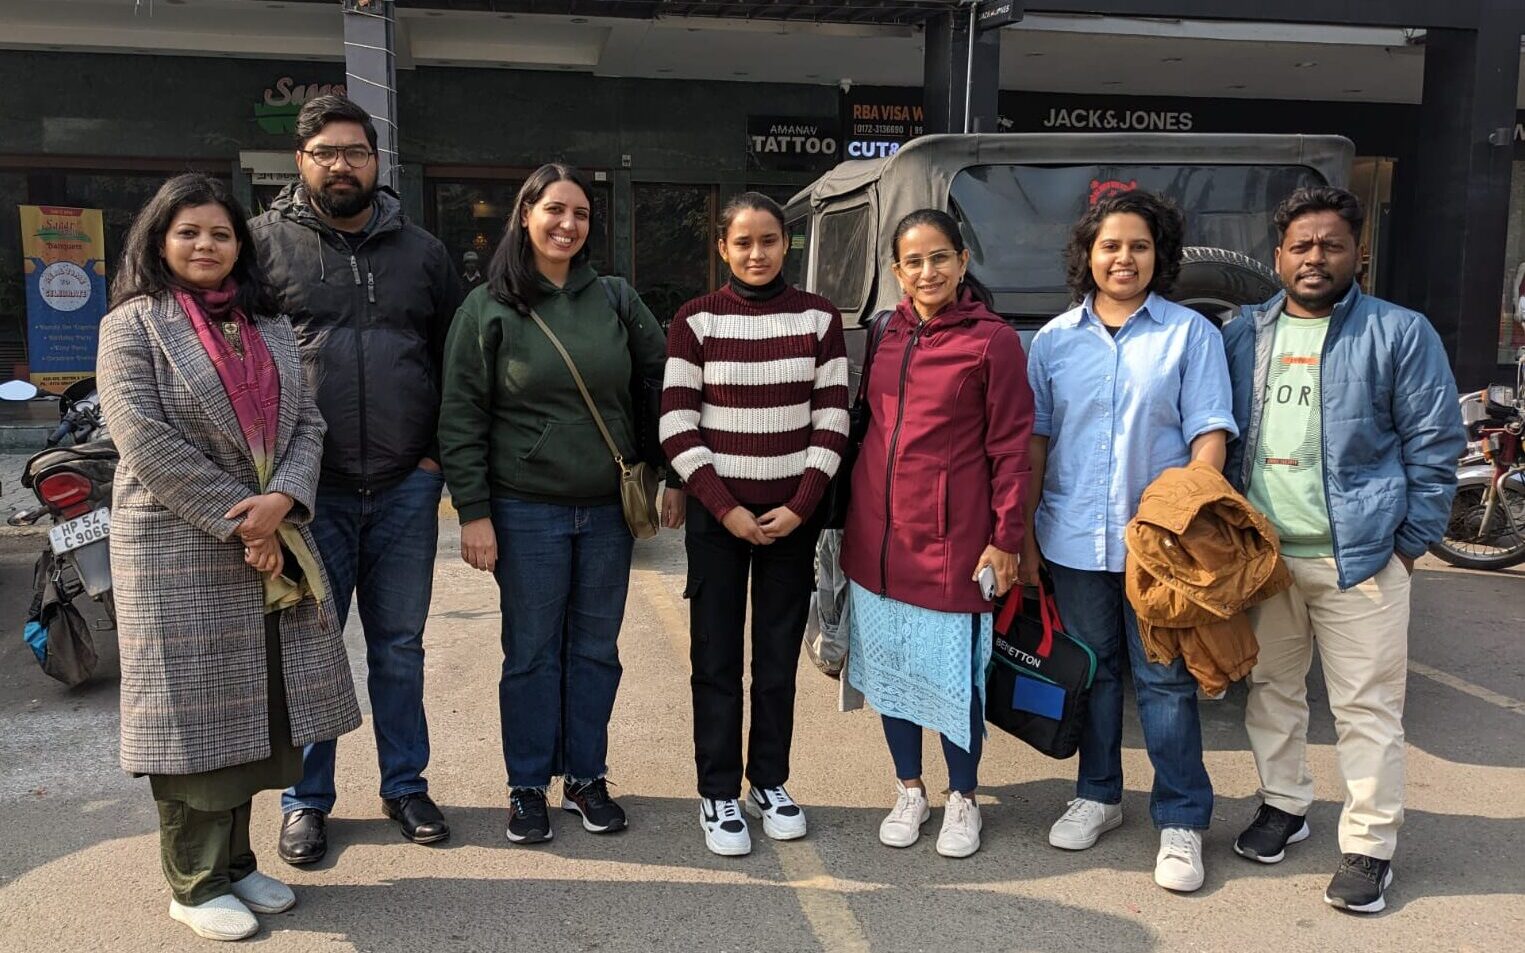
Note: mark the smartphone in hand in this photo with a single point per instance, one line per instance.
(987, 583)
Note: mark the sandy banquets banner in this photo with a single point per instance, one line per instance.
(63, 255)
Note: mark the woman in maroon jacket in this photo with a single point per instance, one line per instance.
(936, 497)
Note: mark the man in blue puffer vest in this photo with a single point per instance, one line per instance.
(1350, 433)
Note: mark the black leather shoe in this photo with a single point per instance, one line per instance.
(304, 837)
(421, 820)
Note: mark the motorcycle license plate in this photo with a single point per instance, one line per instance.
(81, 531)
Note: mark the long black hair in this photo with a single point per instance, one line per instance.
(143, 271)
(511, 273)
(1166, 225)
(948, 225)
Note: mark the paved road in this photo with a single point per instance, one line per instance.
(78, 864)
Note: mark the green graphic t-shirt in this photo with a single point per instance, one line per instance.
(1287, 479)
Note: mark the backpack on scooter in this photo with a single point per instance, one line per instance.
(55, 631)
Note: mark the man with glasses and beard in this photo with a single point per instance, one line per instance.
(1350, 432)
(371, 297)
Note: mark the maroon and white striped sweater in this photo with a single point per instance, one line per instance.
(754, 404)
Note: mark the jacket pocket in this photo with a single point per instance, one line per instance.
(920, 493)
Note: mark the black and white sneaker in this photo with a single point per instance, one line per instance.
(725, 830)
(528, 820)
(1359, 884)
(590, 800)
(1267, 837)
(782, 819)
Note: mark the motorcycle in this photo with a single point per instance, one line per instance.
(1487, 525)
(72, 479)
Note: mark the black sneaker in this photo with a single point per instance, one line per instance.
(1359, 883)
(590, 799)
(1267, 837)
(528, 821)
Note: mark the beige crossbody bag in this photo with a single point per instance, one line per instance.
(638, 482)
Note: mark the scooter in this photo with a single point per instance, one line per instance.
(1487, 524)
(72, 479)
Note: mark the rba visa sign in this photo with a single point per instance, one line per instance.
(277, 111)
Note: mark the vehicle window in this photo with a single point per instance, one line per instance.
(1017, 218)
(843, 239)
(798, 230)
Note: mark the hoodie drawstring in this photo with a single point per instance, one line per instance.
(322, 268)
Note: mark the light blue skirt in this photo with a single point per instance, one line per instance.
(917, 664)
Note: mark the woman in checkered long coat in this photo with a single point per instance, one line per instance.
(231, 654)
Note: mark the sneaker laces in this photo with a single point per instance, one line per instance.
(1178, 842)
(1360, 864)
(958, 809)
(726, 809)
(1079, 810)
(521, 799)
(595, 792)
(905, 810)
(779, 801)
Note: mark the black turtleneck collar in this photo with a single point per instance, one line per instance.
(765, 292)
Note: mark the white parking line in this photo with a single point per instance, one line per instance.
(1462, 685)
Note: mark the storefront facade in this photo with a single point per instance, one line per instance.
(101, 130)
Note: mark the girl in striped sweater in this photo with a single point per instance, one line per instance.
(754, 419)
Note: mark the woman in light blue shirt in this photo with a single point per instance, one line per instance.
(1125, 386)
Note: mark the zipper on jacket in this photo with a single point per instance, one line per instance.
(354, 266)
(1323, 439)
(889, 463)
(370, 287)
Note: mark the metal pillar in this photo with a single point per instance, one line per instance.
(961, 82)
(1458, 218)
(370, 73)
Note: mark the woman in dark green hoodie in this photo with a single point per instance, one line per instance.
(537, 489)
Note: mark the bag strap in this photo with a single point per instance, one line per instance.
(582, 388)
(876, 328)
(1048, 611)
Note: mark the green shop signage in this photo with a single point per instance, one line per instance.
(277, 113)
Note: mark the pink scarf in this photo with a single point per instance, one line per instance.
(252, 383)
(253, 386)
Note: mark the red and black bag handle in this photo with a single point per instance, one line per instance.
(1047, 608)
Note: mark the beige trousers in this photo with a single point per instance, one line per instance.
(1362, 639)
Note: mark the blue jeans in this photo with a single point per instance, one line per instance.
(563, 573)
(379, 548)
(1095, 609)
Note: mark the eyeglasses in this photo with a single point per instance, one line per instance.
(356, 157)
(939, 260)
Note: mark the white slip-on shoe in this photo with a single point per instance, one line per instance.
(725, 830)
(264, 894)
(1083, 823)
(902, 827)
(221, 918)
(1178, 866)
(960, 835)
(782, 819)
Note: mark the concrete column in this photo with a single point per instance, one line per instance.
(947, 71)
(370, 73)
(1458, 195)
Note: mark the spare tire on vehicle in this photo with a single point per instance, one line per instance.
(1216, 282)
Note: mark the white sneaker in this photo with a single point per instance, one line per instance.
(902, 827)
(1178, 866)
(264, 894)
(782, 819)
(1083, 823)
(725, 830)
(221, 918)
(960, 836)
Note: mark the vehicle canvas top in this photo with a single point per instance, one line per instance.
(1018, 194)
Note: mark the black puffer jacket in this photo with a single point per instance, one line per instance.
(371, 324)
